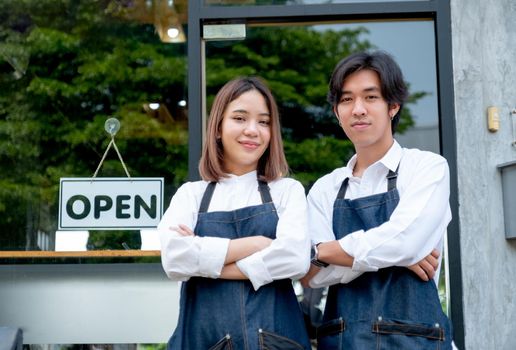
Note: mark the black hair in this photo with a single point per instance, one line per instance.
(393, 88)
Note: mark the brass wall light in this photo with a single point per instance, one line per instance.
(169, 29)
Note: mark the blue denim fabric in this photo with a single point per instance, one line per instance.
(388, 309)
(225, 314)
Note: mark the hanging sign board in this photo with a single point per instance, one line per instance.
(110, 203)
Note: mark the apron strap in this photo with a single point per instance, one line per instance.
(206, 198)
(265, 192)
(208, 193)
(392, 177)
(343, 188)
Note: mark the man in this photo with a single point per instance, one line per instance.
(378, 224)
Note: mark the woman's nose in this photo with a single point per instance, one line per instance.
(250, 128)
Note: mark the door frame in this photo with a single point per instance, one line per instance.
(437, 10)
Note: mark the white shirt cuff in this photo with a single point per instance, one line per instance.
(333, 274)
(212, 255)
(254, 268)
(351, 245)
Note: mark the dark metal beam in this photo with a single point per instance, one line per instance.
(449, 150)
(194, 90)
(289, 12)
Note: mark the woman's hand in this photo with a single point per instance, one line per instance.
(425, 269)
(243, 247)
(183, 230)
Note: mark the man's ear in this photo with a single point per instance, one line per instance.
(393, 109)
(335, 111)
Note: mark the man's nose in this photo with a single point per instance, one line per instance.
(359, 108)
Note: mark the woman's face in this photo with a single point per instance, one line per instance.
(245, 132)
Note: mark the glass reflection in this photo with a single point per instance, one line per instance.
(65, 68)
(297, 61)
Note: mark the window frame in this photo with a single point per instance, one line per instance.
(437, 10)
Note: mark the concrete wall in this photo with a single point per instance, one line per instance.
(484, 63)
(89, 303)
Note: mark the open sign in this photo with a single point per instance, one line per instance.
(110, 203)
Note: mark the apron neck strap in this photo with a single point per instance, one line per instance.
(206, 198)
(392, 177)
(265, 192)
(208, 193)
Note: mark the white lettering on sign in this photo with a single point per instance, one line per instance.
(110, 203)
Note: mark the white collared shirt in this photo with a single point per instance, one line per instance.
(288, 256)
(415, 228)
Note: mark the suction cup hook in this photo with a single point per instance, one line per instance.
(112, 126)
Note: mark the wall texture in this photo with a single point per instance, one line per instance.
(89, 303)
(484, 63)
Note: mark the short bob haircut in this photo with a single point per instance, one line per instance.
(393, 87)
(272, 165)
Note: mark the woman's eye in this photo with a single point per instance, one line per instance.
(265, 122)
(238, 118)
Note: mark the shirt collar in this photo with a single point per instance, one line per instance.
(392, 158)
(247, 177)
(390, 161)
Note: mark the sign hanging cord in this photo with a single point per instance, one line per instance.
(112, 125)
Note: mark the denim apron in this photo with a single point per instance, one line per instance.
(218, 314)
(388, 309)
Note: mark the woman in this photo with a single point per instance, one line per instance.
(238, 237)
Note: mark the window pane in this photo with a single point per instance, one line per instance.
(297, 61)
(65, 68)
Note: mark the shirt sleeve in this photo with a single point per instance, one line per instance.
(183, 257)
(320, 226)
(416, 226)
(288, 256)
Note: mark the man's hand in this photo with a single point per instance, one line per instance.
(425, 269)
(305, 280)
(331, 252)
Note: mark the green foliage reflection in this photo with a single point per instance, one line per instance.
(66, 66)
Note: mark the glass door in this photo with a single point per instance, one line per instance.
(295, 47)
(296, 60)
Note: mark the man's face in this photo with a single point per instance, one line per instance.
(364, 114)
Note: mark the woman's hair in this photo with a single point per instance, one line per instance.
(394, 90)
(272, 164)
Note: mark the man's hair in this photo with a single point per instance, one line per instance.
(392, 85)
(272, 164)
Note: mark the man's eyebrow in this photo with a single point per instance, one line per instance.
(372, 89)
(368, 89)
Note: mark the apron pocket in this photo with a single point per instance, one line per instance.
(395, 334)
(223, 344)
(329, 334)
(272, 341)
